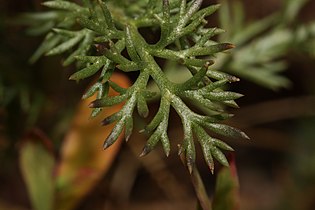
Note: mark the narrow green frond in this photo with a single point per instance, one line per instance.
(65, 46)
(108, 101)
(206, 11)
(113, 136)
(91, 91)
(49, 43)
(226, 130)
(112, 118)
(128, 127)
(142, 106)
(211, 50)
(86, 72)
(117, 88)
(107, 16)
(218, 155)
(103, 37)
(64, 5)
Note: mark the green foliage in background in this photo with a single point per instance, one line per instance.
(37, 165)
(262, 45)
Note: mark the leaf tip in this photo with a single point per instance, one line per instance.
(190, 164)
(180, 149)
(72, 77)
(229, 46)
(127, 137)
(209, 63)
(167, 153)
(142, 131)
(244, 135)
(233, 79)
(212, 170)
(92, 104)
(146, 150)
(106, 121)
(106, 144)
(95, 104)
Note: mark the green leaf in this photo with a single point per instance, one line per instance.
(223, 96)
(227, 195)
(82, 49)
(107, 16)
(166, 144)
(210, 50)
(117, 88)
(193, 8)
(166, 22)
(37, 165)
(64, 5)
(226, 130)
(91, 91)
(67, 45)
(112, 118)
(40, 29)
(49, 42)
(198, 98)
(206, 11)
(160, 134)
(213, 86)
(142, 106)
(113, 136)
(151, 143)
(218, 155)
(209, 33)
(230, 103)
(131, 46)
(221, 144)
(190, 153)
(292, 9)
(254, 29)
(107, 101)
(192, 82)
(96, 112)
(221, 76)
(128, 128)
(158, 118)
(203, 139)
(86, 72)
(209, 148)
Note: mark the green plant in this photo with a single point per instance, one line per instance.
(263, 44)
(99, 48)
(103, 37)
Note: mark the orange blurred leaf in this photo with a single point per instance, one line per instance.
(83, 161)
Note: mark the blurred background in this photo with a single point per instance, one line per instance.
(51, 152)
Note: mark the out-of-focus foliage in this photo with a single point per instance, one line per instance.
(37, 165)
(262, 45)
(227, 192)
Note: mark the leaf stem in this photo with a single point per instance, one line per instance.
(199, 187)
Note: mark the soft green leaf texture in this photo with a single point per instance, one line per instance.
(262, 44)
(37, 165)
(227, 195)
(103, 37)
